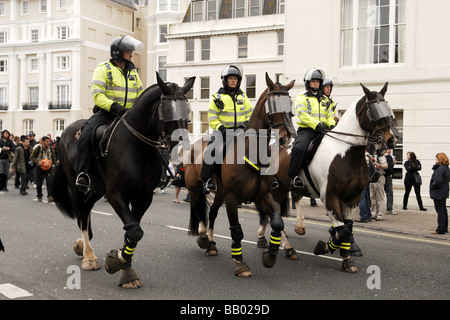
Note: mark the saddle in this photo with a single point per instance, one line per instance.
(312, 148)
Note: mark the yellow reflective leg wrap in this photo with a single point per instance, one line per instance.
(275, 240)
(332, 246)
(127, 251)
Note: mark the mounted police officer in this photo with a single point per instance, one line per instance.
(115, 87)
(229, 109)
(312, 109)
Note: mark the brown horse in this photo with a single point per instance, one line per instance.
(239, 182)
(338, 172)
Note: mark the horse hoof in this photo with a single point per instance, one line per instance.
(355, 251)
(268, 260)
(130, 280)
(300, 230)
(291, 254)
(349, 266)
(202, 242)
(112, 263)
(262, 243)
(78, 247)
(211, 250)
(90, 265)
(242, 270)
(321, 248)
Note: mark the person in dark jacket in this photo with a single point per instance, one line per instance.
(439, 191)
(412, 167)
(6, 148)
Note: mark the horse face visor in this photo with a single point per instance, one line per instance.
(278, 104)
(174, 110)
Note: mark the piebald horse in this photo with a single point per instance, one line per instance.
(338, 172)
(242, 183)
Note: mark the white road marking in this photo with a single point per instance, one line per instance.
(13, 292)
(254, 243)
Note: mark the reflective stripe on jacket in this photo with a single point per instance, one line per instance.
(312, 110)
(111, 84)
(235, 111)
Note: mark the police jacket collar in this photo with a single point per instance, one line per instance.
(223, 91)
(128, 65)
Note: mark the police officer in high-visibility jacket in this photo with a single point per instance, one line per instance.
(327, 90)
(115, 86)
(312, 110)
(229, 109)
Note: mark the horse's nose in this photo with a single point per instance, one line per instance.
(392, 142)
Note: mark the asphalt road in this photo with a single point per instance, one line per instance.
(39, 262)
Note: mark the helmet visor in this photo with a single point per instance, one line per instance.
(131, 44)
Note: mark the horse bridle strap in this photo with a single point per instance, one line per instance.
(150, 142)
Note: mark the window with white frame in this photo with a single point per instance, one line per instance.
(3, 104)
(28, 125)
(168, 5)
(197, 11)
(3, 36)
(62, 63)
(34, 97)
(33, 64)
(62, 95)
(373, 32)
(280, 43)
(251, 86)
(162, 30)
(242, 47)
(254, 8)
(43, 6)
(3, 66)
(162, 69)
(63, 32)
(60, 125)
(211, 10)
(2, 9)
(204, 88)
(61, 4)
(24, 7)
(206, 49)
(190, 50)
(34, 35)
(239, 9)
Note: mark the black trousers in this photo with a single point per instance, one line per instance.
(40, 175)
(23, 178)
(84, 147)
(299, 148)
(442, 219)
(416, 191)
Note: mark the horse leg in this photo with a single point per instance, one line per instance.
(121, 259)
(262, 241)
(264, 204)
(348, 221)
(241, 270)
(211, 249)
(300, 225)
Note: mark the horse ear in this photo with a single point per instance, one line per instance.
(269, 82)
(383, 91)
(367, 92)
(188, 85)
(290, 85)
(163, 86)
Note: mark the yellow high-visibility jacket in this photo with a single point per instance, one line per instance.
(312, 110)
(235, 112)
(111, 84)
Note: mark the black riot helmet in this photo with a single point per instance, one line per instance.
(232, 70)
(314, 74)
(125, 43)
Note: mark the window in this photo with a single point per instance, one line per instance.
(24, 7)
(251, 86)
(3, 36)
(398, 151)
(3, 105)
(2, 9)
(34, 35)
(43, 6)
(281, 43)
(33, 97)
(190, 50)
(204, 121)
(242, 47)
(62, 96)
(206, 49)
(197, 14)
(239, 11)
(281, 6)
(62, 62)
(28, 125)
(254, 8)
(63, 32)
(211, 9)
(204, 88)
(163, 5)
(162, 33)
(162, 62)
(60, 125)
(61, 4)
(3, 66)
(373, 32)
(33, 65)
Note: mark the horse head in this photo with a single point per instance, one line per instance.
(278, 108)
(377, 118)
(174, 110)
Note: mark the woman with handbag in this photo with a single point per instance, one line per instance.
(412, 179)
(439, 191)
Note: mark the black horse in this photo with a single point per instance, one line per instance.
(127, 175)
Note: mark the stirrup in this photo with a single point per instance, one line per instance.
(83, 182)
(297, 183)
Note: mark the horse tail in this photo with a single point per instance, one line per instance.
(199, 212)
(62, 194)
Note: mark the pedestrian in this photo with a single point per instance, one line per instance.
(412, 179)
(6, 155)
(179, 181)
(377, 195)
(390, 159)
(21, 163)
(40, 153)
(439, 191)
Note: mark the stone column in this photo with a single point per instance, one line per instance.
(42, 83)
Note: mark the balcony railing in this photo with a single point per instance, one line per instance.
(3, 107)
(29, 106)
(59, 105)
